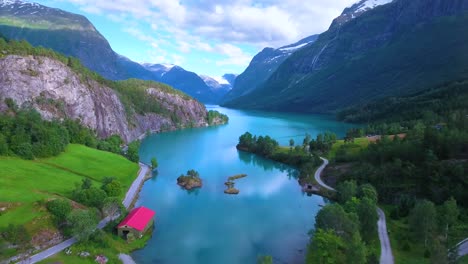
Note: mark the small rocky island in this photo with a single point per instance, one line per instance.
(230, 184)
(190, 181)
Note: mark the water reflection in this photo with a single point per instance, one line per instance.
(270, 215)
(252, 159)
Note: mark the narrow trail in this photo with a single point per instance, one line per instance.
(386, 256)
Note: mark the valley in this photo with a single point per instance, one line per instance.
(354, 136)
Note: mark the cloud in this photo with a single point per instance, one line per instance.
(260, 22)
(233, 55)
(221, 27)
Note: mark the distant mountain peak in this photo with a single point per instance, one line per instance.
(358, 9)
(220, 80)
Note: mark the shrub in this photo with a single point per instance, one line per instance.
(60, 209)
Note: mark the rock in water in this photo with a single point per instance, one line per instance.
(231, 190)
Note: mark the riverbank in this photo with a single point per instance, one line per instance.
(132, 194)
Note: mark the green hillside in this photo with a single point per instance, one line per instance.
(370, 57)
(27, 184)
(438, 102)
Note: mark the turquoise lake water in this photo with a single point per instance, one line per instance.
(270, 215)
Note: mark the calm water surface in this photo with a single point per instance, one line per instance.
(270, 216)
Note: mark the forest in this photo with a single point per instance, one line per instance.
(23, 133)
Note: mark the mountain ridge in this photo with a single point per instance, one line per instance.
(369, 57)
(74, 35)
(262, 66)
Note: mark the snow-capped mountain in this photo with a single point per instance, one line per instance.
(262, 66)
(358, 9)
(186, 81)
(383, 52)
(365, 5)
(159, 69)
(220, 85)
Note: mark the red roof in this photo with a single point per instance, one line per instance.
(138, 218)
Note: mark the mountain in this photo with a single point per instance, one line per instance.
(61, 88)
(230, 77)
(67, 33)
(394, 49)
(186, 81)
(220, 86)
(74, 35)
(357, 10)
(262, 66)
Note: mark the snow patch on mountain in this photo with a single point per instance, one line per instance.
(221, 80)
(21, 4)
(290, 49)
(217, 82)
(168, 66)
(7, 2)
(370, 4)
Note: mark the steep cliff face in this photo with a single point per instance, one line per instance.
(57, 93)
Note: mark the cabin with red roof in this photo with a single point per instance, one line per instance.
(137, 222)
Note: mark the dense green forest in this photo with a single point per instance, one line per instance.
(214, 116)
(421, 175)
(430, 104)
(25, 134)
(346, 232)
(431, 160)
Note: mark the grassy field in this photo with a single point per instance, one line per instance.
(351, 148)
(113, 245)
(25, 184)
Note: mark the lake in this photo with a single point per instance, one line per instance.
(270, 215)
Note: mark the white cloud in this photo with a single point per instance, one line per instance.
(233, 55)
(218, 26)
(271, 22)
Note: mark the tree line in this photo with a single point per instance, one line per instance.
(298, 156)
(23, 133)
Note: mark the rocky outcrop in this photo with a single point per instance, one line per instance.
(57, 92)
(189, 182)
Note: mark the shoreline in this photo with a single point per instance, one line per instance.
(127, 258)
(144, 173)
(319, 190)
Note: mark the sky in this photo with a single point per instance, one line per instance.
(209, 37)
